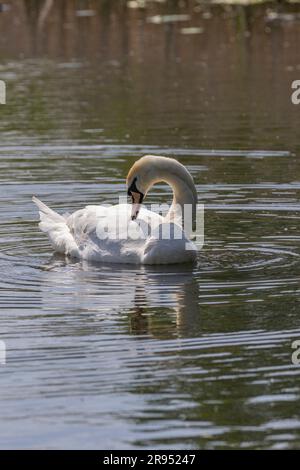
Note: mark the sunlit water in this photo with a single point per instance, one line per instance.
(108, 356)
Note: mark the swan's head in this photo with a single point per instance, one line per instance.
(152, 169)
(139, 179)
(137, 196)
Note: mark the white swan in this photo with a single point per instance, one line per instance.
(85, 233)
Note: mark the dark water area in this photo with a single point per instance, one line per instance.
(108, 356)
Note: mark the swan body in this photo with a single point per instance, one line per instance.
(87, 233)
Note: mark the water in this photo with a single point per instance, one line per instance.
(108, 356)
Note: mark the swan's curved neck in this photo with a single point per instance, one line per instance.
(152, 169)
(184, 196)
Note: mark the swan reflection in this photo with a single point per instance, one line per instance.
(161, 301)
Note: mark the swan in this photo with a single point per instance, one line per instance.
(87, 234)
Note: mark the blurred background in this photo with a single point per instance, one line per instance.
(164, 72)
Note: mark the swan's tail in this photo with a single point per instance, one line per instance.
(56, 227)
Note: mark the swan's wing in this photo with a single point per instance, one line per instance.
(90, 220)
(101, 234)
(84, 222)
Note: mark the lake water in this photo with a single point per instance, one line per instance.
(108, 356)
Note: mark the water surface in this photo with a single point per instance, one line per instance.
(108, 356)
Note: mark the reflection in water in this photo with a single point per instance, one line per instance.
(159, 301)
(120, 356)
